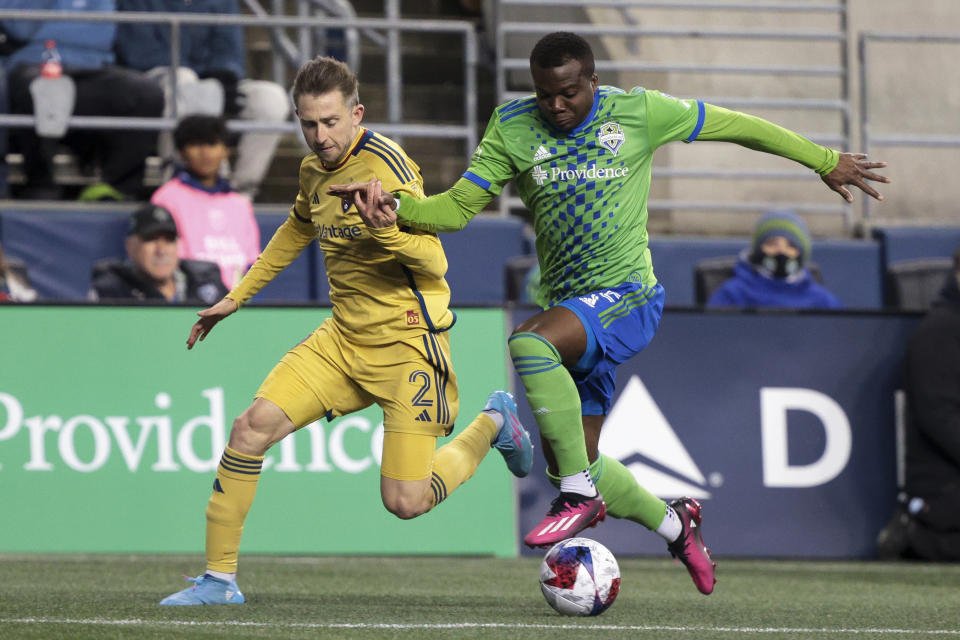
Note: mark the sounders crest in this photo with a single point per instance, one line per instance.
(611, 136)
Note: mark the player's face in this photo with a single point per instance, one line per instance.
(203, 160)
(564, 93)
(155, 255)
(329, 125)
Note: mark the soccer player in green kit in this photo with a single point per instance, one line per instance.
(581, 156)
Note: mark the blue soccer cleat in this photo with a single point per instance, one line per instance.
(512, 440)
(206, 590)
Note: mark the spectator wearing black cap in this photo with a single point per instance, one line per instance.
(152, 270)
(772, 271)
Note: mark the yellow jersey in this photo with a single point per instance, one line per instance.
(385, 284)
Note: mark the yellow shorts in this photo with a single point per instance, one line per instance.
(328, 376)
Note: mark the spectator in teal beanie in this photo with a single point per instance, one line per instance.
(772, 271)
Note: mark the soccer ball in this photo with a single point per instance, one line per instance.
(579, 577)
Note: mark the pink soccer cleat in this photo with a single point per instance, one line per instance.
(689, 548)
(570, 513)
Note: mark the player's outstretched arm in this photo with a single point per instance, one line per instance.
(854, 169)
(836, 169)
(208, 318)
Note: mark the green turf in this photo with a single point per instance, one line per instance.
(46, 597)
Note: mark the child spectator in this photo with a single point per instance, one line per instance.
(215, 222)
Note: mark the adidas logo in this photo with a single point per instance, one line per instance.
(229, 595)
(423, 417)
(216, 486)
(636, 431)
(560, 525)
(541, 154)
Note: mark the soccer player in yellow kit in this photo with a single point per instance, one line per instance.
(387, 342)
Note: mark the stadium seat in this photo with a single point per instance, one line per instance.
(851, 268)
(709, 274)
(515, 272)
(908, 243)
(296, 283)
(913, 285)
(477, 256)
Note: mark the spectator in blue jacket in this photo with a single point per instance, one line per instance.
(771, 272)
(102, 89)
(208, 52)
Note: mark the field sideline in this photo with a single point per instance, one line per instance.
(86, 596)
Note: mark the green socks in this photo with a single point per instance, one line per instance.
(624, 497)
(553, 398)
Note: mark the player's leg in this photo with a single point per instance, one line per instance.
(417, 389)
(623, 322)
(235, 485)
(295, 393)
(415, 477)
(542, 349)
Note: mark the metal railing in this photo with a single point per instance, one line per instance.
(393, 127)
(840, 105)
(868, 137)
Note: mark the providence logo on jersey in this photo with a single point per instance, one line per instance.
(592, 172)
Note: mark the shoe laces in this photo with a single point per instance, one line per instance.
(566, 500)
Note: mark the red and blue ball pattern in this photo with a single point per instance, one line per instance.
(580, 577)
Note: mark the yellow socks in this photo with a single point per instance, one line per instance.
(233, 492)
(456, 461)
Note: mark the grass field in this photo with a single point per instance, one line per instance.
(45, 597)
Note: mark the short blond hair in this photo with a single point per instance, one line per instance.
(324, 74)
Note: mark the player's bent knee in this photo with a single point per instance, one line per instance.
(406, 507)
(405, 499)
(526, 345)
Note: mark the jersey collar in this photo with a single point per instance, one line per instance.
(362, 136)
(222, 185)
(559, 133)
(590, 116)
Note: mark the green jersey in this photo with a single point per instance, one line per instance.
(587, 188)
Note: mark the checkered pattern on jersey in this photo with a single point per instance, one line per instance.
(581, 212)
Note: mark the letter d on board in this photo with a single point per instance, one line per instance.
(777, 471)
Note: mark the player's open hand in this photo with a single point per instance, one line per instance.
(854, 168)
(208, 318)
